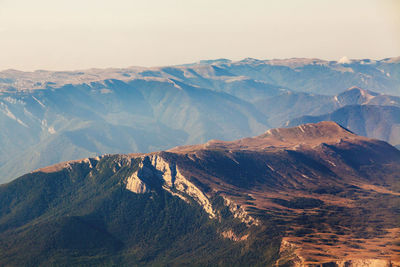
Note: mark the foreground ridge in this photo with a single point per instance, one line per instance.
(301, 196)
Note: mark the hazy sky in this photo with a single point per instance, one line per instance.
(76, 34)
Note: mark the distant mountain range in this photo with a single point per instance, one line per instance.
(291, 104)
(301, 74)
(303, 196)
(381, 122)
(47, 117)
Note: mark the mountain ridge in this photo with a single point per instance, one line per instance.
(381, 122)
(42, 79)
(48, 117)
(307, 134)
(308, 194)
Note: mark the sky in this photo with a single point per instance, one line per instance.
(80, 34)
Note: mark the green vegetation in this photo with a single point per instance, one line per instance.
(84, 217)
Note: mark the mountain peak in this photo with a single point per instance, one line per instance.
(360, 91)
(355, 88)
(356, 95)
(311, 134)
(215, 61)
(324, 129)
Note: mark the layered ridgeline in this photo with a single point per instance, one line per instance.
(292, 105)
(363, 112)
(48, 117)
(43, 127)
(381, 122)
(304, 74)
(312, 194)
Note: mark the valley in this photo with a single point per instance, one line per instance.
(48, 117)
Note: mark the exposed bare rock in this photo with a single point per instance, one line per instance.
(366, 263)
(136, 185)
(170, 178)
(230, 234)
(240, 213)
(290, 254)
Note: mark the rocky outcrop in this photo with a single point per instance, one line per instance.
(290, 255)
(240, 213)
(171, 179)
(230, 234)
(366, 263)
(155, 170)
(136, 185)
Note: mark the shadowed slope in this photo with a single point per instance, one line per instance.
(311, 194)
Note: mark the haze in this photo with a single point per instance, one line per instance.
(64, 35)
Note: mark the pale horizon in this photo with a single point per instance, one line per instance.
(193, 62)
(70, 35)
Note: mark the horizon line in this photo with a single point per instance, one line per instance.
(201, 61)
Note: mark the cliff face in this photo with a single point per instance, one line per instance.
(157, 171)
